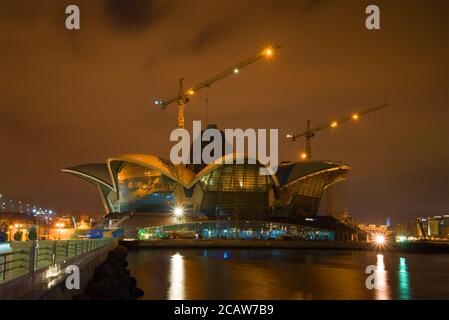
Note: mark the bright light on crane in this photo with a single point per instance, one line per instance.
(310, 132)
(183, 97)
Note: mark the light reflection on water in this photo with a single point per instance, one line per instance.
(382, 290)
(286, 274)
(404, 283)
(176, 289)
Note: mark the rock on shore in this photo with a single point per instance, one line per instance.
(112, 280)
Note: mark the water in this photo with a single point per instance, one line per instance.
(287, 274)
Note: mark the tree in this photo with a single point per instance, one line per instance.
(32, 233)
(18, 235)
(4, 232)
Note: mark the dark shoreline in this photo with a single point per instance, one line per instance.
(112, 280)
(409, 247)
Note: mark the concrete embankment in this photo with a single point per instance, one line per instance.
(409, 247)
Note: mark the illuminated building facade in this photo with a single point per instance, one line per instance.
(269, 206)
(434, 227)
(235, 229)
(145, 183)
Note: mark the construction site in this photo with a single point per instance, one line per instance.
(154, 198)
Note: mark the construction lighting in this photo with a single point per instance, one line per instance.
(268, 52)
(303, 155)
(355, 116)
(334, 124)
(179, 212)
(183, 96)
(289, 136)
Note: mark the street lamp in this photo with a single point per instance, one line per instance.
(59, 226)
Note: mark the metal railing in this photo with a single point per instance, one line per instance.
(28, 257)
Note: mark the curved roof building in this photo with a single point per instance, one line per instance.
(146, 183)
(302, 185)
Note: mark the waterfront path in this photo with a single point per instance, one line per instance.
(37, 269)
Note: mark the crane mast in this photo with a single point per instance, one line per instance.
(310, 132)
(183, 96)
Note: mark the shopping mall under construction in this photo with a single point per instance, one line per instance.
(220, 200)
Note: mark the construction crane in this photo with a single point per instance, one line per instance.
(183, 96)
(310, 132)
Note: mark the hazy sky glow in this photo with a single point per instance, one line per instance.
(69, 98)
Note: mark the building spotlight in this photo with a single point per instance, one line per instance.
(179, 212)
(380, 239)
(355, 117)
(236, 70)
(303, 155)
(334, 124)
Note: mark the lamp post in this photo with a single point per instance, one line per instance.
(59, 226)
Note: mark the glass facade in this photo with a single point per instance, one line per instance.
(236, 178)
(142, 183)
(306, 194)
(143, 189)
(237, 191)
(230, 229)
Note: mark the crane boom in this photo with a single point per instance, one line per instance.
(183, 96)
(344, 119)
(310, 132)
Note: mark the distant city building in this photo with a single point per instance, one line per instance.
(434, 227)
(372, 230)
(402, 230)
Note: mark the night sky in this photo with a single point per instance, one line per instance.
(75, 97)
